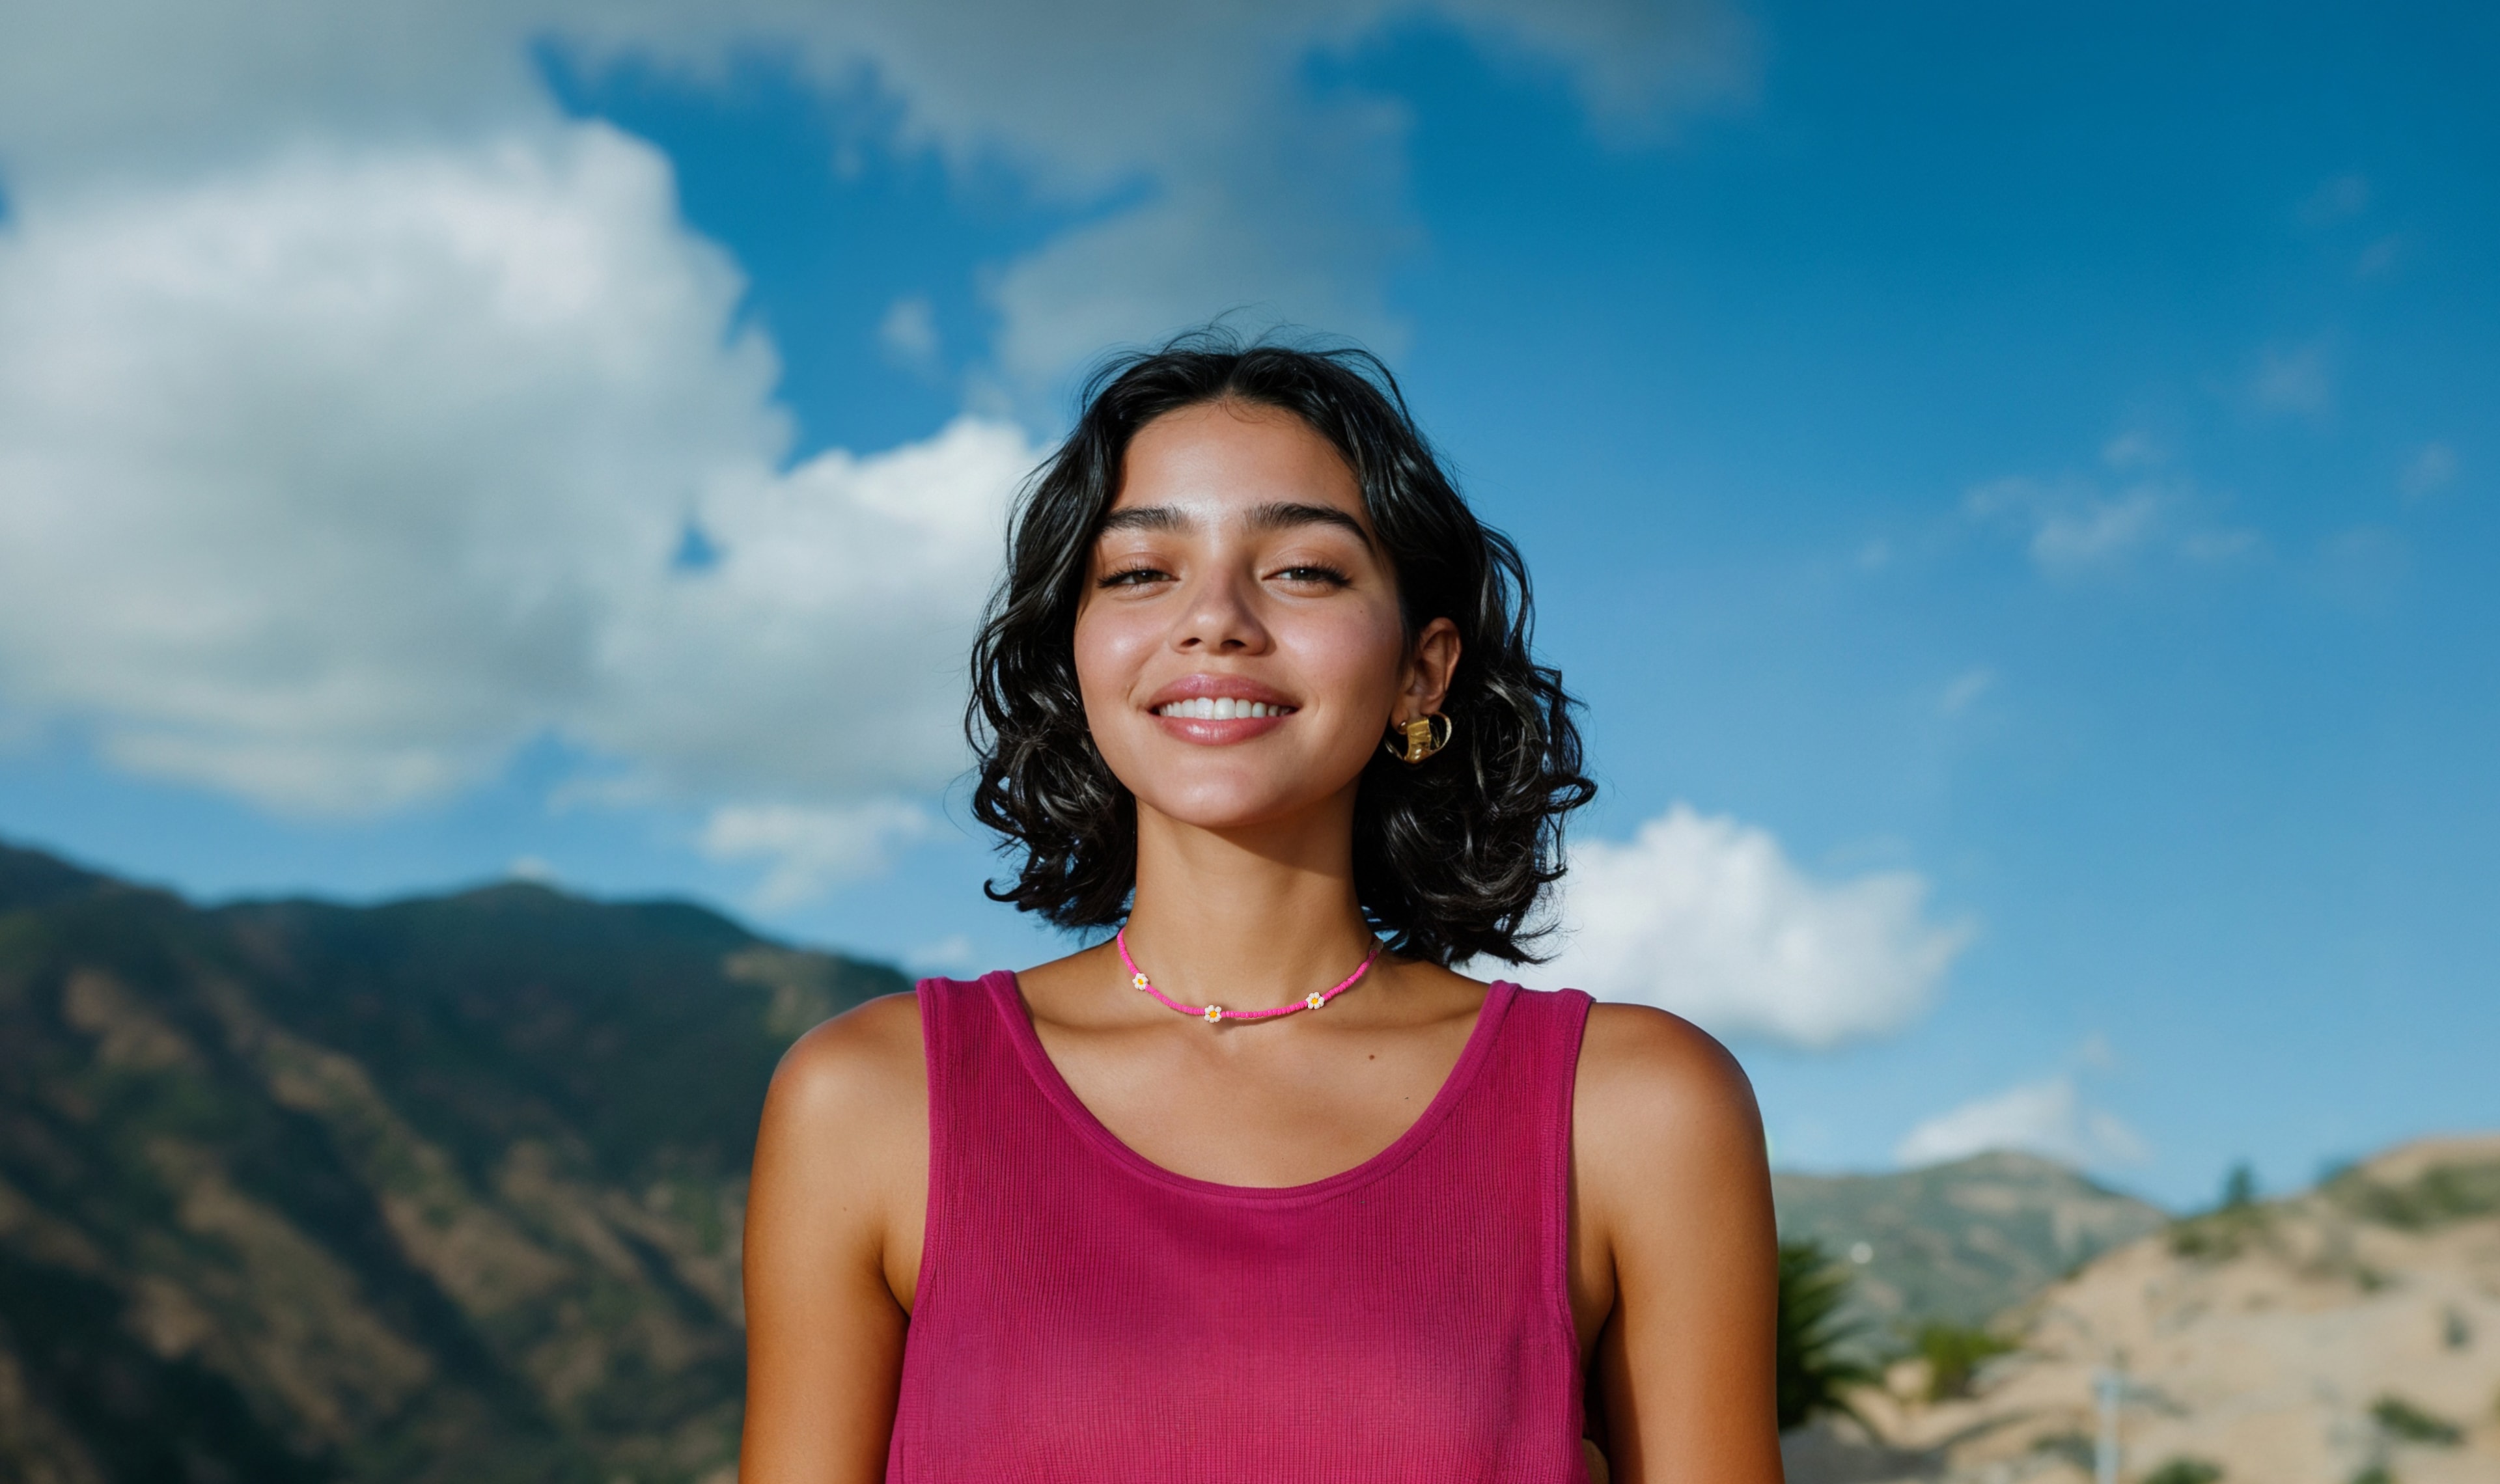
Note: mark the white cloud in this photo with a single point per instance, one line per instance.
(953, 951)
(1254, 228)
(2101, 529)
(1081, 84)
(1239, 185)
(910, 332)
(330, 482)
(2074, 527)
(1966, 688)
(810, 849)
(1243, 185)
(1708, 917)
(2433, 467)
(357, 408)
(2135, 449)
(2047, 1117)
(2337, 199)
(2293, 379)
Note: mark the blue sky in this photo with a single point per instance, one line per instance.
(2015, 491)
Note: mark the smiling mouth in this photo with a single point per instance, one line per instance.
(1218, 708)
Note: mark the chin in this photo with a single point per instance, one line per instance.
(1232, 805)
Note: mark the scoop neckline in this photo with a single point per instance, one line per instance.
(1008, 992)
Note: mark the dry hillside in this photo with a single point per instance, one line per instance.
(2347, 1336)
(1962, 1241)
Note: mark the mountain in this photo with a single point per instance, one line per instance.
(451, 1188)
(2347, 1334)
(1959, 1242)
(443, 1189)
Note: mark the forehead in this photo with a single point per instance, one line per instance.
(1221, 459)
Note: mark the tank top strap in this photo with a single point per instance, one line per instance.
(1519, 1112)
(981, 1102)
(1541, 1046)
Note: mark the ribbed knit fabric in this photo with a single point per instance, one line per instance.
(1085, 1315)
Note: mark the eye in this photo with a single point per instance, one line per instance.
(1328, 576)
(1133, 577)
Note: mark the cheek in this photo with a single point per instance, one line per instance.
(1356, 655)
(1108, 653)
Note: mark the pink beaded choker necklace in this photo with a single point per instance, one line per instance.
(1212, 1013)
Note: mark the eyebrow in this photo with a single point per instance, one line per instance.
(1146, 517)
(1285, 514)
(1274, 515)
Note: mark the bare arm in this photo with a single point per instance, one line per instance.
(833, 1243)
(1676, 1254)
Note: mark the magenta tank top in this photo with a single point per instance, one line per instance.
(1086, 1315)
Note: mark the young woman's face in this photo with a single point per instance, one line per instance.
(1239, 645)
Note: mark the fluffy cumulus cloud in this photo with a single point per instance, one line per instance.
(328, 483)
(1240, 183)
(362, 417)
(2047, 1117)
(1708, 917)
(806, 850)
(1243, 185)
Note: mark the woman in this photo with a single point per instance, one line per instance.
(1247, 1193)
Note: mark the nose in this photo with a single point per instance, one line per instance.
(1221, 617)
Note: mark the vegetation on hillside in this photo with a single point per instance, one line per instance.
(2235, 1223)
(2184, 1471)
(2403, 1422)
(1817, 1366)
(2435, 1198)
(442, 1190)
(1954, 1354)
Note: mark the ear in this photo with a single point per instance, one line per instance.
(1429, 669)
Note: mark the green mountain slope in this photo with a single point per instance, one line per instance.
(442, 1189)
(1958, 1242)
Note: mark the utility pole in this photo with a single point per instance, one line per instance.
(2109, 1388)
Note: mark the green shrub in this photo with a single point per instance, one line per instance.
(2224, 1232)
(2405, 1422)
(2441, 1195)
(1816, 1368)
(2219, 1234)
(2185, 1471)
(2073, 1447)
(1954, 1354)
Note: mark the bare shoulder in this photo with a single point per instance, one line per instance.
(1657, 1097)
(862, 1069)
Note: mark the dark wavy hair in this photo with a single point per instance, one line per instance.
(1451, 855)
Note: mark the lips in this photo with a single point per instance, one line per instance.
(1219, 709)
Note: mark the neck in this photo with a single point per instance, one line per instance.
(1249, 917)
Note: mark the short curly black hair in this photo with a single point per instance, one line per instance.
(1450, 856)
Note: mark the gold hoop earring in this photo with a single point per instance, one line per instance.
(1412, 741)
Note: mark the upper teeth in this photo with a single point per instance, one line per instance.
(1217, 708)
